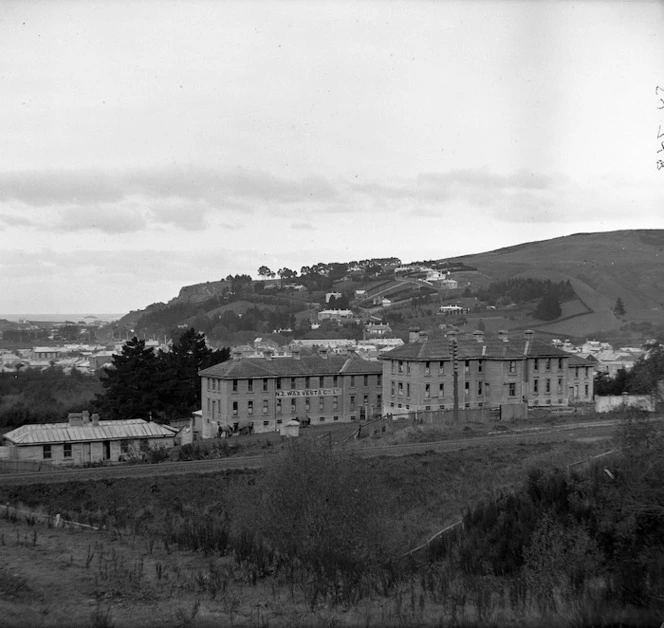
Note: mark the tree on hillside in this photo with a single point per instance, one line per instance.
(178, 372)
(131, 386)
(548, 308)
(619, 308)
(286, 273)
(265, 272)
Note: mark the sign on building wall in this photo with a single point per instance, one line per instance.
(309, 392)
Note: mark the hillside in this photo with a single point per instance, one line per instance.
(601, 267)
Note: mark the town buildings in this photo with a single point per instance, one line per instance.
(268, 392)
(490, 372)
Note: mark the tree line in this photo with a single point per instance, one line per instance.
(159, 386)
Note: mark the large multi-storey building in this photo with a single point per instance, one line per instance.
(268, 392)
(491, 372)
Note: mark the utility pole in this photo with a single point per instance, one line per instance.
(454, 352)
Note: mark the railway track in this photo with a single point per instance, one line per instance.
(591, 429)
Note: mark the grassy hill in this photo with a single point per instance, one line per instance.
(601, 268)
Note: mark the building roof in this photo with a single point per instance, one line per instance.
(576, 360)
(52, 433)
(469, 348)
(306, 365)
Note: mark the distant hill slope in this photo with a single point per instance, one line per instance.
(600, 266)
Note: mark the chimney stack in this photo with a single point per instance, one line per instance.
(95, 420)
(529, 334)
(478, 334)
(75, 419)
(267, 354)
(423, 336)
(413, 334)
(322, 352)
(502, 335)
(86, 417)
(295, 352)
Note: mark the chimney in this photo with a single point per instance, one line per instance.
(529, 334)
(478, 334)
(452, 334)
(86, 417)
(75, 419)
(267, 354)
(236, 355)
(502, 335)
(295, 353)
(413, 334)
(95, 420)
(322, 352)
(423, 336)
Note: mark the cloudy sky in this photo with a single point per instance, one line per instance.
(150, 145)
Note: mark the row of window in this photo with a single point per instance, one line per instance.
(283, 383)
(401, 367)
(400, 389)
(47, 450)
(214, 406)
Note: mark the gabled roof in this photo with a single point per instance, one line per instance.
(309, 365)
(470, 348)
(52, 433)
(577, 360)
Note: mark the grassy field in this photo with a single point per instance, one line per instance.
(140, 570)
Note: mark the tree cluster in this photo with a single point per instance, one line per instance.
(524, 289)
(642, 379)
(159, 386)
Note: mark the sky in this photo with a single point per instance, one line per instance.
(150, 145)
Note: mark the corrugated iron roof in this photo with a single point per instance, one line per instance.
(50, 433)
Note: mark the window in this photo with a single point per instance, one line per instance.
(279, 422)
(560, 384)
(480, 388)
(307, 382)
(366, 380)
(250, 385)
(278, 406)
(336, 417)
(265, 406)
(466, 366)
(321, 419)
(208, 405)
(352, 402)
(143, 444)
(365, 401)
(427, 368)
(335, 380)
(466, 388)
(307, 404)
(587, 371)
(124, 446)
(392, 388)
(512, 390)
(480, 366)
(536, 386)
(548, 386)
(335, 403)
(587, 390)
(407, 390)
(441, 367)
(394, 367)
(560, 364)
(266, 423)
(321, 382)
(292, 383)
(234, 385)
(66, 451)
(427, 391)
(536, 364)
(250, 407)
(265, 385)
(352, 381)
(278, 383)
(407, 368)
(400, 366)
(235, 408)
(400, 389)
(321, 404)
(512, 366)
(208, 383)
(576, 372)
(292, 406)
(379, 380)
(379, 401)
(441, 390)
(548, 364)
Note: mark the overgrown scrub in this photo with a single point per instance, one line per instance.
(586, 545)
(321, 511)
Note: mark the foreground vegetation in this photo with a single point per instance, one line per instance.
(321, 537)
